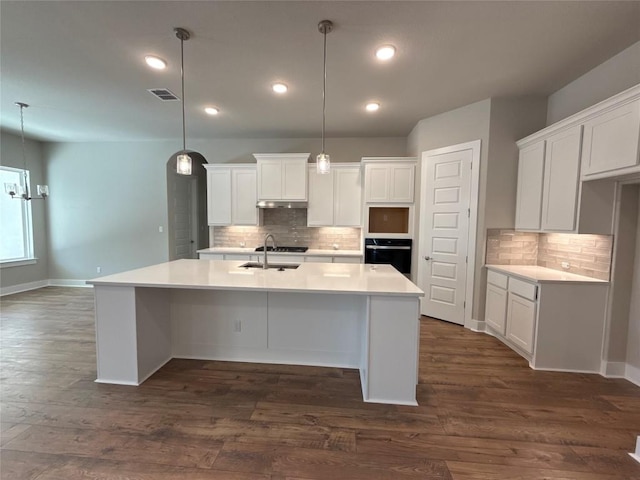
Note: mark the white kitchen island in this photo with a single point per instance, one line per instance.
(335, 315)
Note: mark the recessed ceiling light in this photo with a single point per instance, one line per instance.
(212, 110)
(385, 52)
(372, 106)
(155, 62)
(279, 87)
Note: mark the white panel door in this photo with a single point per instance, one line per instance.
(243, 198)
(445, 227)
(219, 196)
(348, 197)
(529, 195)
(561, 175)
(320, 210)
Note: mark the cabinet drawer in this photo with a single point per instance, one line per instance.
(497, 279)
(522, 289)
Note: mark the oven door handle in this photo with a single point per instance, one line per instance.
(383, 247)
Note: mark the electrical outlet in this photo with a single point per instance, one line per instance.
(99, 269)
(237, 326)
(160, 229)
(566, 265)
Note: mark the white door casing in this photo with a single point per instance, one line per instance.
(448, 220)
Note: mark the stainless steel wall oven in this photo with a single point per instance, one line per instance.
(392, 251)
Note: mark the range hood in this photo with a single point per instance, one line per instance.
(281, 204)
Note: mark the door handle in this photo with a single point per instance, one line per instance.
(427, 258)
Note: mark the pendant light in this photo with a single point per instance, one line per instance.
(15, 190)
(323, 162)
(183, 161)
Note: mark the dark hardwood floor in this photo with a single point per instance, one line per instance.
(483, 414)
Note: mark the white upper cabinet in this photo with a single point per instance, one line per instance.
(530, 184)
(561, 177)
(282, 176)
(611, 140)
(389, 180)
(335, 199)
(231, 194)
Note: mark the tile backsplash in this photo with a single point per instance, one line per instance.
(289, 227)
(588, 255)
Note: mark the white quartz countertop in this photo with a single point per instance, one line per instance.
(334, 278)
(310, 252)
(542, 274)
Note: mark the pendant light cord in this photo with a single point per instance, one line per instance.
(184, 131)
(324, 85)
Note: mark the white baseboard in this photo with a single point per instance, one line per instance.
(612, 369)
(54, 282)
(632, 374)
(23, 287)
(61, 282)
(475, 325)
(621, 370)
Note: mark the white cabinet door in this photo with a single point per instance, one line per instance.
(347, 197)
(376, 183)
(275, 258)
(243, 196)
(320, 210)
(402, 180)
(219, 196)
(317, 259)
(496, 308)
(611, 140)
(521, 320)
(269, 179)
(294, 180)
(529, 193)
(347, 260)
(561, 175)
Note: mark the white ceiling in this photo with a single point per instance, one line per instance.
(80, 64)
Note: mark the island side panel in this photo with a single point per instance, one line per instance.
(116, 347)
(394, 329)
(316, 328)
(153, 328)
(570, 327)
(219, 325)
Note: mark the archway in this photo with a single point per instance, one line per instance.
(188, 229)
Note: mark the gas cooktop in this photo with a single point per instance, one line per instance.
(283, 249)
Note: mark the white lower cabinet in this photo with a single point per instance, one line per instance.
(521, 321)
(556, 325)
(496, 308)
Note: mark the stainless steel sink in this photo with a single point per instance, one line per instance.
(277, 266)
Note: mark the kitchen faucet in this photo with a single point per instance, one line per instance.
(265, 265)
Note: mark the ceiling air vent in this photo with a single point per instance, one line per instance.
(163, 94)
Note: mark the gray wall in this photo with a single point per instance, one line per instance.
(633, 345)
(110, 198)
(11, 156)
(498, 123)
(617, 74)
(457, 126)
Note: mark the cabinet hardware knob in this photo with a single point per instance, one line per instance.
(427, 258)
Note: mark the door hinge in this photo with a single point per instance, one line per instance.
(468, 213)
(464, 304)
(466, 259)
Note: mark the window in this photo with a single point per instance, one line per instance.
(16, 241)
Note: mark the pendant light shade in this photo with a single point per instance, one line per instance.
(183, 161)
(323, 162)
(20, 191)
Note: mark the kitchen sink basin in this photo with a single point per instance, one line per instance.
(277, 266)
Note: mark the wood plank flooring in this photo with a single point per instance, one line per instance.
(483, 414)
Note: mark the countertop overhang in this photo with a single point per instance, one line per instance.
(328, 278)
(539, 274)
